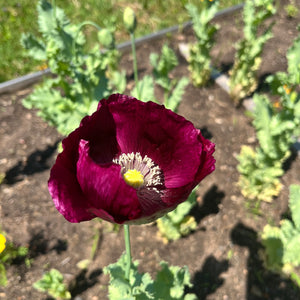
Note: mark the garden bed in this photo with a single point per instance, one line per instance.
(223, 254)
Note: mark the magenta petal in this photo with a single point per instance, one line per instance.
(105, 188)
(207, 161)
(66, 193)
(165, 137)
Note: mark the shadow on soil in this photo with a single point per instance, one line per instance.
(83, 281)
(261, 283)
(211, 200)
(39, 245)
(35, 163)
(207, 281)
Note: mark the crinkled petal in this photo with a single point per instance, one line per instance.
(207, 161)
(105, 188)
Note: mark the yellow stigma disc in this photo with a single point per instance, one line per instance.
(134, 178)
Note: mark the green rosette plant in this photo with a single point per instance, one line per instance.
(243, 76)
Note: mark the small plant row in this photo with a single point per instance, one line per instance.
(277, 127)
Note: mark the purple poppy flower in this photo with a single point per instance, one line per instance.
(129, 163)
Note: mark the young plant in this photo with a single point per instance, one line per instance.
(178, 223)
(170, 282)
(291, 9)
(52, 284)
(199, 58)
(282, 244)
(81, 76)
(277, 126)
(162, 66)
(259, 177)
(276, 131)
(243, 76)
(8, 252)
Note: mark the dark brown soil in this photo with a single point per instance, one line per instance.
(222, 254)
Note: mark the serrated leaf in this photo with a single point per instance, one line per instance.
(145, 88)
(35, 48)
(176, 96)
(47, 22)
(170, 282)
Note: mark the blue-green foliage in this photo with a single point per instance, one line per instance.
(52, 283)
(243, 77)
(169, 284)
(282, 244)
(178, 223)
(81, 76)
(199, 59)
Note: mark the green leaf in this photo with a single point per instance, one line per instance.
(35, 48)
(293, 58)
(177, 94)
(3, 279)
(146, 89)
(170, 282)
(47, 22)
(294, 204)
(52, 283)
(177, 223)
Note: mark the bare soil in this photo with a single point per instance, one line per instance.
(222, 254)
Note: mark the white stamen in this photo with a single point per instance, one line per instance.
(153, 176)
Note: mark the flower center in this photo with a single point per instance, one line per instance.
(134, 178)
(140, 171)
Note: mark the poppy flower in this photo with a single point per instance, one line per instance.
(130, 162)
(2, 242)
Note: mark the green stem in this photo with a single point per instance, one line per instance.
(135, 70)
(128, 250)
(54, 10)
(77, 34)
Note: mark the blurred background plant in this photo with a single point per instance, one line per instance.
(199, 58)
(243, 76)
(82, 75)
(53, 284)
(277, 127)
(16, 17)
(291, 9)
(178, 223)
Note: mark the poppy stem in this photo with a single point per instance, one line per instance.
(128, 250)
(135, 69)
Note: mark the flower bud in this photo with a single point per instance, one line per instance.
(106, 38)
(129, 19)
